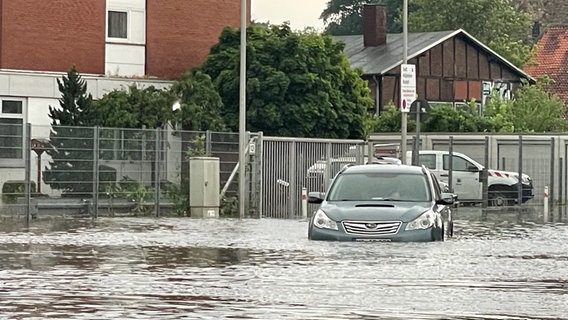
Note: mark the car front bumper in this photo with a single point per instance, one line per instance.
(401, 236)
(527, 192)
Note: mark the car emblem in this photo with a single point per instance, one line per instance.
(371, 225)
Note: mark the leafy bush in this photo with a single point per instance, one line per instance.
(13, 189)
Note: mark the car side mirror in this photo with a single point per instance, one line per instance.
(447, 199)
(316, 197)
(482, 175)
(472, 169)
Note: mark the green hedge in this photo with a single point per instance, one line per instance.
(13, 189)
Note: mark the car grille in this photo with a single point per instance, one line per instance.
(371, 228)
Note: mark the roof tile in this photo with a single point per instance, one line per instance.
(552, 59)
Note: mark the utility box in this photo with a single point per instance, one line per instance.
(204, 187)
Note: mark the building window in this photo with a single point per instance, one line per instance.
(118, 24)
(11, 129)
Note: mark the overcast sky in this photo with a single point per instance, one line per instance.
(300, 13)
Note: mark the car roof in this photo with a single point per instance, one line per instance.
(434, 152)
(392, 168)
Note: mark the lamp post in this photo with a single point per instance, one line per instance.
(242, 110)
(405, 60)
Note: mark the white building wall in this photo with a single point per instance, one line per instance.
(16, 83)
(40, 91)
(127, 57)
(125, 60)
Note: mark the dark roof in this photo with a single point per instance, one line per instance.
(381, 59)
(552, 59)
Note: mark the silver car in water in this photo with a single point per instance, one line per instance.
(382, 202)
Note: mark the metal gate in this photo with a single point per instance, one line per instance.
(290, 164)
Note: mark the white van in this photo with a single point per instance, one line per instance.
(466, 178)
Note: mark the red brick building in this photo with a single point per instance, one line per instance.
(552, 59)
(155, 38)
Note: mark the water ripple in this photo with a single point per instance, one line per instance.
(127, 268)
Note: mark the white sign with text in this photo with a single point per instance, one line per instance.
(407, 86)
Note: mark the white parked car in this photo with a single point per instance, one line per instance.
(466, 173)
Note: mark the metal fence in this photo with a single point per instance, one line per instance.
(108, 171)
(290, 164)
(542, 157)
(93, 170)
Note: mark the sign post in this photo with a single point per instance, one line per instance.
(407, 96)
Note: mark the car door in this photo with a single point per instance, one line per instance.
(465, 177)
(434, 164)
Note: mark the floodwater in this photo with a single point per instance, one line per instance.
(503, 266)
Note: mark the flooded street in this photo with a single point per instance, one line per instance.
(509, 266)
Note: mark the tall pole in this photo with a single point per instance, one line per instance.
(242, 110)
(405, 60)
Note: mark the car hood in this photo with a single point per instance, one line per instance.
(374, 210)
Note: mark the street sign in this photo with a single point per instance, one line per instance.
(407, 86)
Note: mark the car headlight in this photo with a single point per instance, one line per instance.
(424, 221)
(525, 179)
(322, 221)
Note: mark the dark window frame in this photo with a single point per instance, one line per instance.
(12, 118)
(455, 165)
(117, 24)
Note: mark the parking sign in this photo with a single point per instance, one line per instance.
(407, 86)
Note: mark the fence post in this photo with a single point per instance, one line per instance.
(546, 199)
(552, 171)
(560, 180)
(27, 164)
(208, 143)
(253, 175)
(292, 191)
(451, 164)
(304, 203)
(326, 175)
(157, 171)
(485, 174)
(260, 159)
(95, 203)
(520, 191)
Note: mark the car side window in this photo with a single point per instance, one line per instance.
(427, 160)
(458, 163)
(437, 188)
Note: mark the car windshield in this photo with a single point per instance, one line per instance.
(380, 186)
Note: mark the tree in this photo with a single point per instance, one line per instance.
(497, 23)
(152, 108)
(200, 103)
(71, 167)
(446, 118)
(134, 108)
(298, 84)
(532, 109)
(390, 120)
(344, 17)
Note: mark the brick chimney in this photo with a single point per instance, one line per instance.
(374, 25)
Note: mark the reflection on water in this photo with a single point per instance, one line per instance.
(502, 265)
